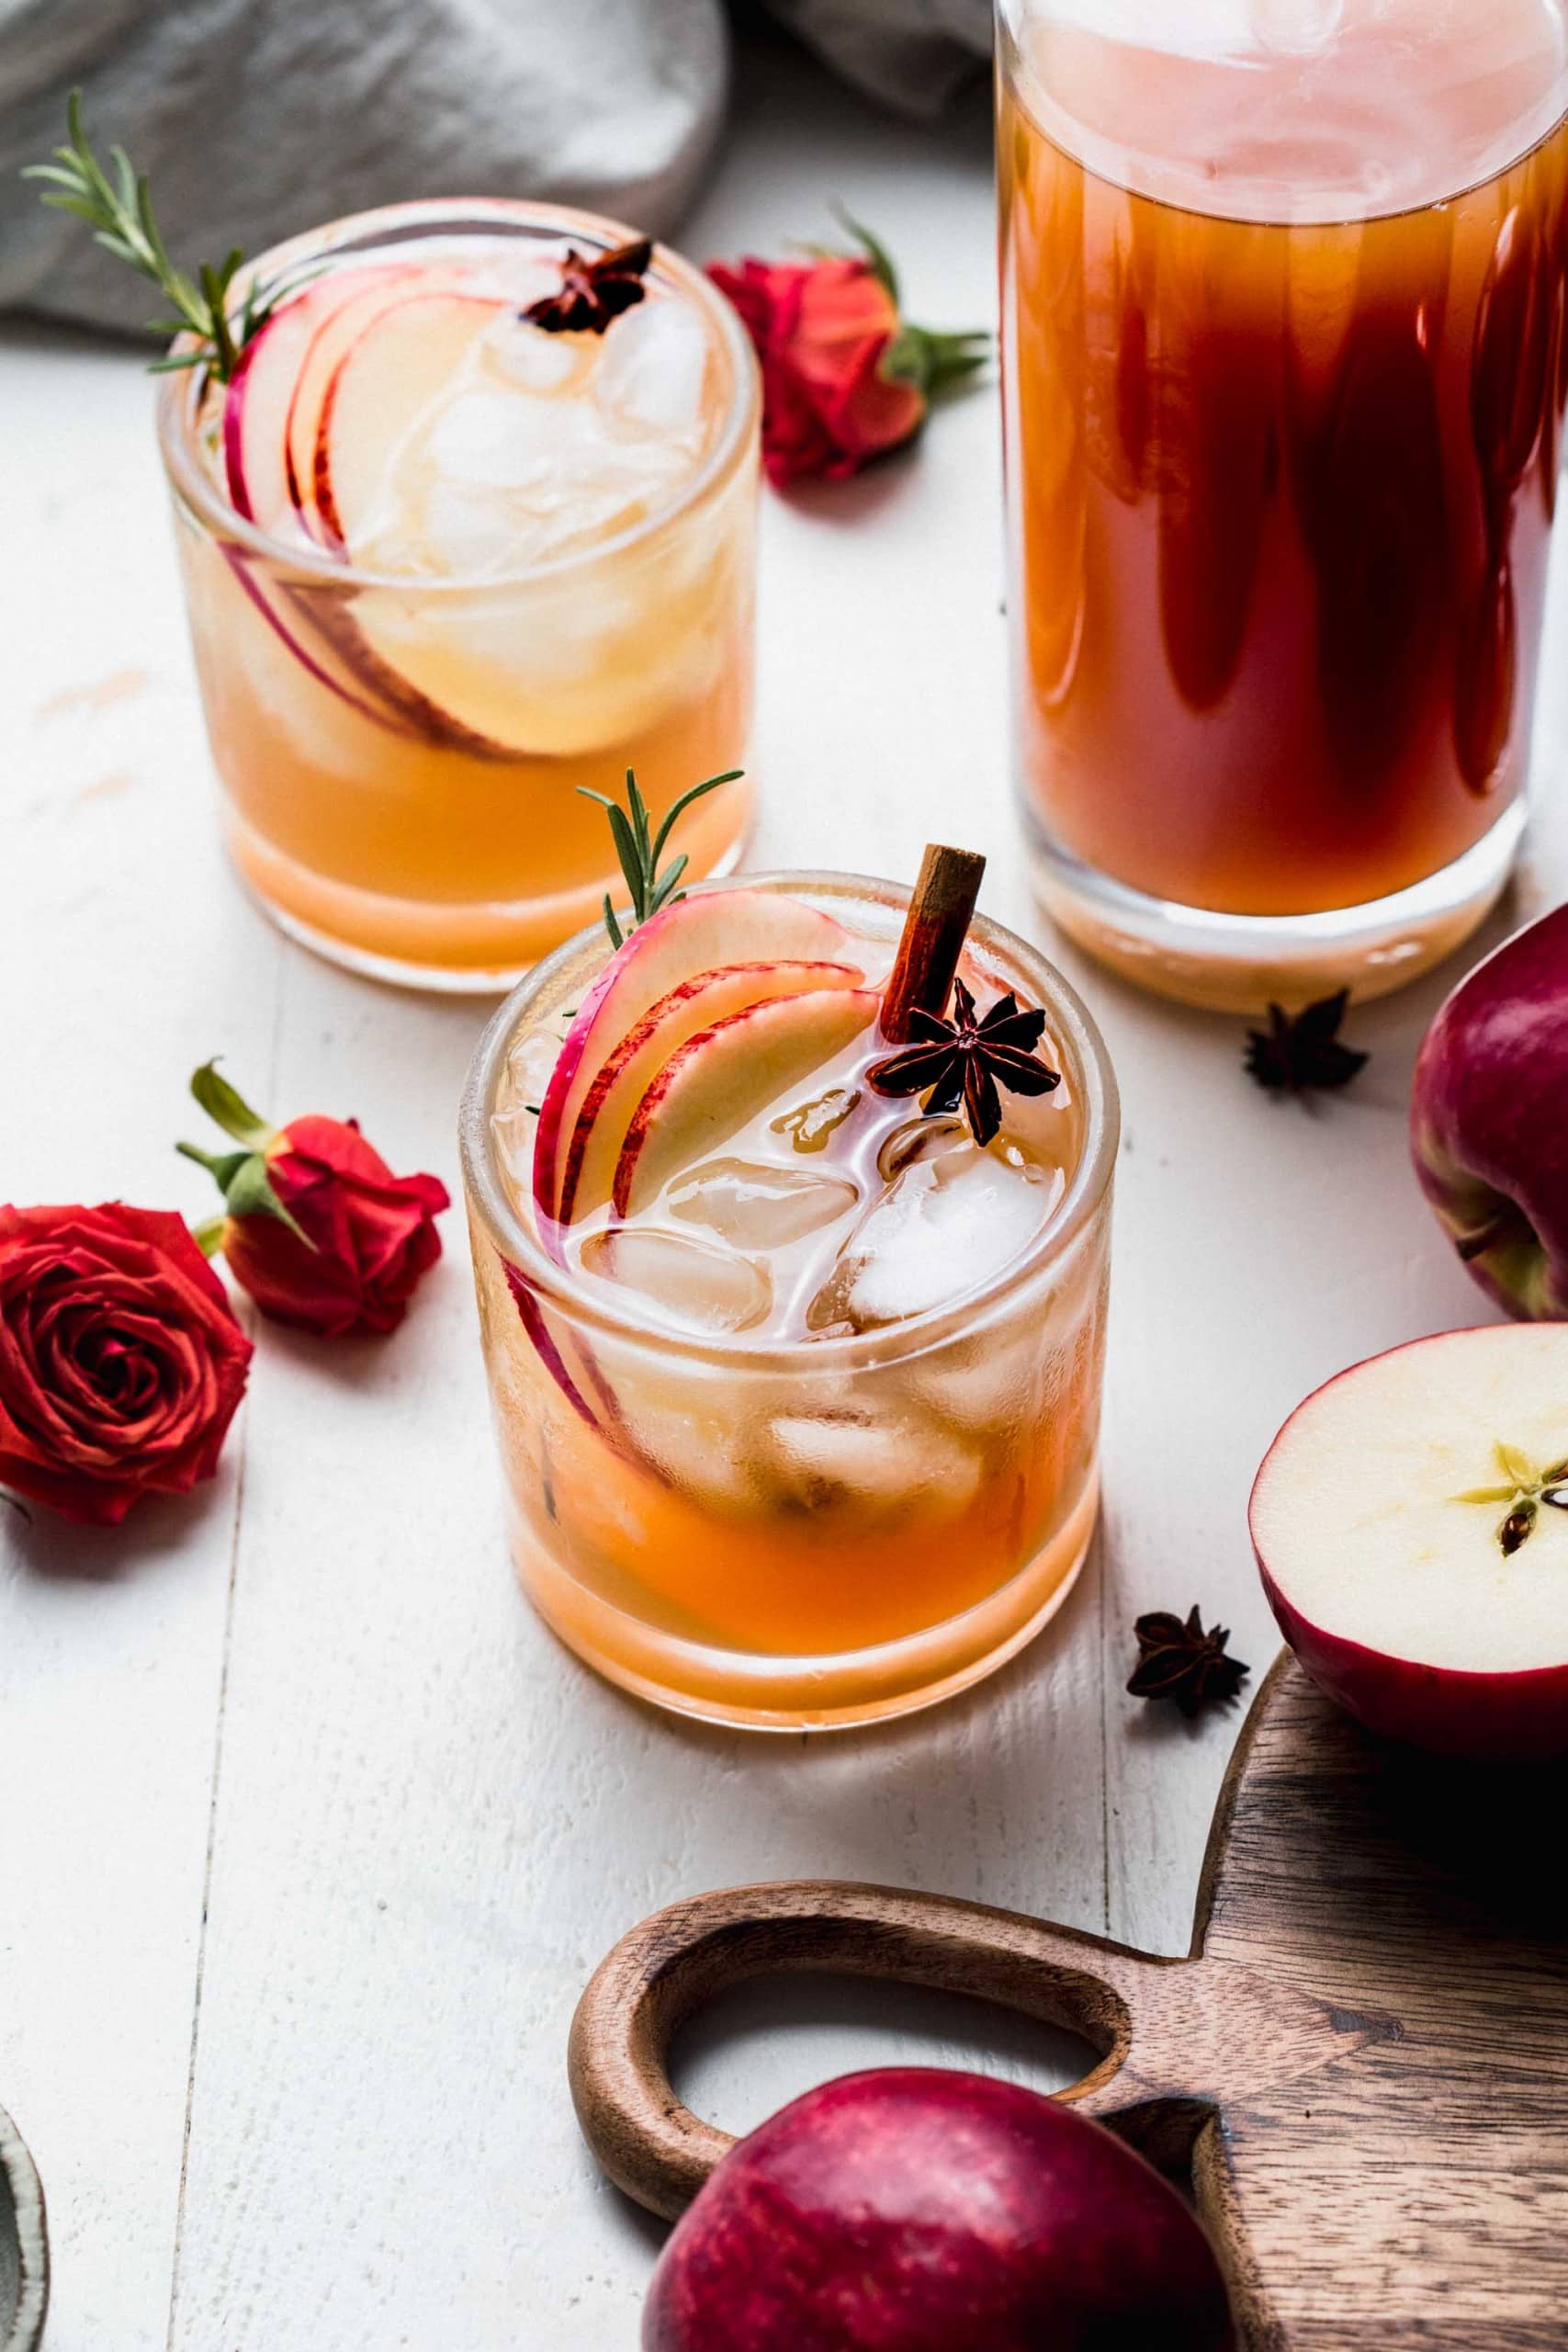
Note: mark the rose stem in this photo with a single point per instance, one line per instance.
(934, 931)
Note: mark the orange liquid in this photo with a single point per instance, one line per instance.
(400, 848)
(801, 1539)
(1281, 489)
(507, 584)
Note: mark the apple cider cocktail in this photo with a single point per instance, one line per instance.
(470, 526)
(795, 1357)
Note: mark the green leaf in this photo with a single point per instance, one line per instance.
(679, 808)
(875, 252)
(228, 1110)
(638, 855)
(120, 213)
(251, 1193)
(933, 363)
(222, 1166)
(209, 1235)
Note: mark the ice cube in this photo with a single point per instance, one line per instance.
(495, 440)
(528, 357)
(653, 369)
(529, 1068)
(943, 1228)
(691, 1285)
(989, 1382)
(464, 532)
(879, 1463)
(809, 1124)
(918, 1139)
(755, 1206)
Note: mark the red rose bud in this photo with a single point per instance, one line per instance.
(121, 1364)
(845, 379)
(316, 1226)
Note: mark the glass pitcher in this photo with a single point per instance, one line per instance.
(1282, 299)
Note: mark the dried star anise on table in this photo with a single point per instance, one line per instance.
(1177, 1660)
(594, 290)
(1300, 1050)
(965, 1059)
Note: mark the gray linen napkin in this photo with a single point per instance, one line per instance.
(258, 118)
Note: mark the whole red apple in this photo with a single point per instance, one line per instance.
(913, 2210)
(1486, 1125)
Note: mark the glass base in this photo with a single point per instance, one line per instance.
(1226, 963)
(457, 939)
(764, 1692)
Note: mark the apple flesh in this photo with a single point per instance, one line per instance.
(281, 377)
(285, 381)
(699, 1003)
(407, 354)
(912, 2210)
(1490, 1145)
(696, 934)
(721, 1077)
(1378, 1517)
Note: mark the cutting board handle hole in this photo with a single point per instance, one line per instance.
(757, 2045)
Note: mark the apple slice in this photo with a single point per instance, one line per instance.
(695, 934)
(354, 304)
(588, 1173)
(1411, 1547)
(256, 412)
(407, 354)
(723, 1076)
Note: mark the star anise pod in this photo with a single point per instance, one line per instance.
(966, 1060)
(1302, 1049)
(594, 288)
(1177, 1660)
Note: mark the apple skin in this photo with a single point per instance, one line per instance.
(693, 935)
(1496, 1717)
(1489, 1142)
(1449, 1711)
(913, 2210)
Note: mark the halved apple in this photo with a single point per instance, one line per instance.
(723, 1076)
(1413, 1539)
(695, 934)
(594, 1149)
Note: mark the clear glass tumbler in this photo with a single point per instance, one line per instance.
(399, 755)
(820, 1533)
(1283, 288)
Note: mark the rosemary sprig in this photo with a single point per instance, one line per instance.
(639, 848)
(118, 211)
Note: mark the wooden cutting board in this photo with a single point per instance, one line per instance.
(1362, 2067)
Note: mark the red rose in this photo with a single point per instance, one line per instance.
(120, 1360)
(317, 1228)
(844, 378)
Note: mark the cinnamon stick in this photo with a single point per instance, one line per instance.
(932, 941)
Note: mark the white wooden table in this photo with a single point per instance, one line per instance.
(308, 1833)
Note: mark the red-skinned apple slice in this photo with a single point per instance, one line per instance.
(594, 1152)
(271, 391)
(407, 354)
(1407, 1548)
(342, 326)
(723, 1076)
(256, 412)
(695, 934)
